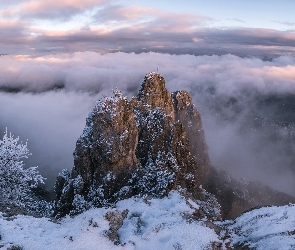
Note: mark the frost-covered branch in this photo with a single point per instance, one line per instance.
(16, 182)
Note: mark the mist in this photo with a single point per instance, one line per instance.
(247, 106)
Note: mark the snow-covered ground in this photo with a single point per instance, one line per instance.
(271, 228)
(150, 224)
(156, 224)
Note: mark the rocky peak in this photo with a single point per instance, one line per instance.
(135, 147)
(180, 107)
(153, 92)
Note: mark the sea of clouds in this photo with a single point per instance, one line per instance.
(247, 105)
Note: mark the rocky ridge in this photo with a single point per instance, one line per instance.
(148, 146)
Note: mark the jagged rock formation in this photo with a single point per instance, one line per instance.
(136, 147)
(148, 146)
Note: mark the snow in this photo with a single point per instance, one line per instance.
(266, 228)
(150, 76)
(163, 227)
(193, 204)
(150, 224)
(40, 233)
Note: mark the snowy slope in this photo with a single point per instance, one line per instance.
(270, 228)
(156, 224)
(151, 224)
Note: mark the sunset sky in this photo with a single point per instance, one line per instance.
(178, 27)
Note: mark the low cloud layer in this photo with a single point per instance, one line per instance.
(247, 105)
(92, 72)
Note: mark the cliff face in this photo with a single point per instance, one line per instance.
(148, 146)
(186, 112)
(108, 141)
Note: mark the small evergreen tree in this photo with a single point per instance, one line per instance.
(16, 182)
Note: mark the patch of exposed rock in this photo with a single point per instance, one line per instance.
(10, 210)
(115, 219)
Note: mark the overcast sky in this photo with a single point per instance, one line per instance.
(253, 27)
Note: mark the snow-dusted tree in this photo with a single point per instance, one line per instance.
(154, 180)
(17, 182)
